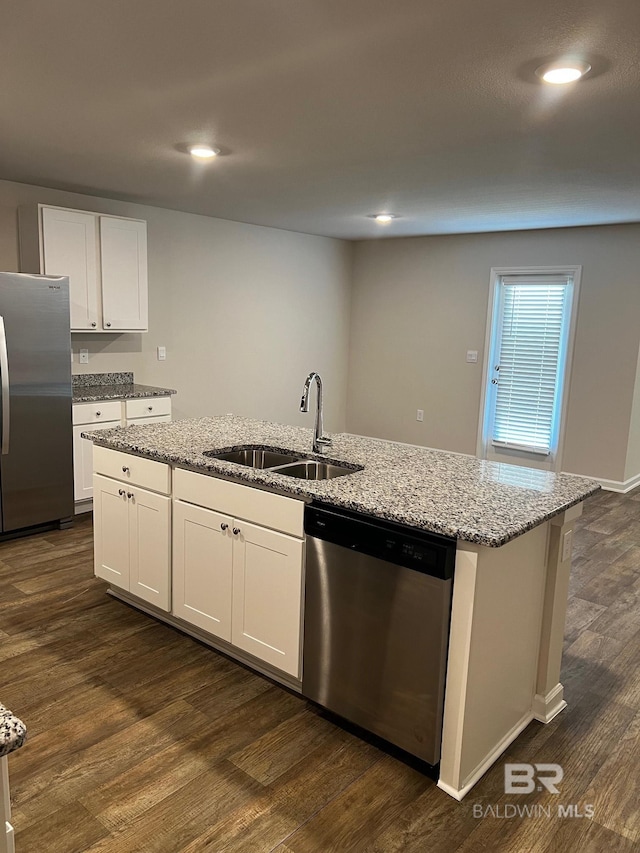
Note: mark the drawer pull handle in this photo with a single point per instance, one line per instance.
(236, 530)
(224, 526)
(129, 494)
(121, 492)
(150, 408)
(98, 414)
(125, 470)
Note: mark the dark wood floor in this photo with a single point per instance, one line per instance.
(140, 739)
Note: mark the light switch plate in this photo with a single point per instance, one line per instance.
(84, 356)
(472, 356)
(162, 353)
(420, 415)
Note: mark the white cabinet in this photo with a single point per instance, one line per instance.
(147, 410)
(267, 595)
(132, 539)
(70, 247)
(107, 414)
(105, 258)
(233, 576)
(202, 568)
(90, 416)
(123, 255)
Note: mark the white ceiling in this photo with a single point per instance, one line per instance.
(329, 110)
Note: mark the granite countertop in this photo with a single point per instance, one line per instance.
(95, 393)
(488, 503)
(12, 731)
(92, 387)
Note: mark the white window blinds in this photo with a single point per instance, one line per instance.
(530, 350)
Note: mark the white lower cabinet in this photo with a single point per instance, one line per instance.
(202, 568)
(132, 539)
(237, 580)
(106, 414)
(83, 459)
(230, 574)
(267, 595)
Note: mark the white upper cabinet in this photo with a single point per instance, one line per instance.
(69, 247)
(123, 253)
(105, 258)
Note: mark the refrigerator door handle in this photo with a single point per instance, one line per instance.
(4, 375)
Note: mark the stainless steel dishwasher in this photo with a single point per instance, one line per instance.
(376, 626)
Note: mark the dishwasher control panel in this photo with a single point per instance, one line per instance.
(404, 546)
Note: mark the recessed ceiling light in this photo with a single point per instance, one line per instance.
(384, 218)
(203, 152)
(559, 73)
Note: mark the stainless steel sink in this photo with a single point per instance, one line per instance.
(254, 457)
(309, 469)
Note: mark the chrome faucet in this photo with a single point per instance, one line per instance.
(320, 441)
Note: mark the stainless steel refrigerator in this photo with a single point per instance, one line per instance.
(36, 437)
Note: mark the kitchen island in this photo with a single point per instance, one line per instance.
(512, 527)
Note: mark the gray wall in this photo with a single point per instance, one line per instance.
(420, 303)
(244, 311)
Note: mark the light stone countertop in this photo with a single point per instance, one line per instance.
(93, 387)
(452, 494)
(127, 391)
(12, 731)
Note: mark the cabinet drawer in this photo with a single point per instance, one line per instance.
(274, 511)
(155, 476)
(95, 413)
(148, 407)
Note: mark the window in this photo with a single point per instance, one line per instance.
(528, 348)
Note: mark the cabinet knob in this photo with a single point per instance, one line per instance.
(121, 492)
(93, 325)
(108, 325)
(129, 494)
(98, 414)
(125, 470)
(150, 408)
(236, 530)
(224, 526)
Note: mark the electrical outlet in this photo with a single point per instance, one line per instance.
(84, 356)
(162, 353)
(566, 545)
(472, 356)
(420, 415)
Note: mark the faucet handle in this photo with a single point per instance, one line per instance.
(325, 440)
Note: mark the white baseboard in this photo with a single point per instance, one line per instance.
(83, 506)
(9, 840)
(545, 708)
(622, 486)
(485, 764)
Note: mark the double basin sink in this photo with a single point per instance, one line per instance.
(281, 462)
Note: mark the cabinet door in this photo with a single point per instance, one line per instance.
(83, 459)
(202, 568)
(123, 251)
(70, 248)
(150, 546)
(267, 595)
(111, 531)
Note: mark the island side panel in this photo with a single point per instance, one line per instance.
(549, 698)
(496, 620)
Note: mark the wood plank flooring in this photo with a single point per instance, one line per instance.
(141, 740)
